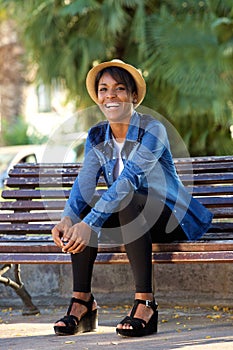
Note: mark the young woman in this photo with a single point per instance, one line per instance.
(145, 201)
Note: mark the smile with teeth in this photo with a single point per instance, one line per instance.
(112, 105)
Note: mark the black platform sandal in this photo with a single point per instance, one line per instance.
(140, 327)
(87, 323)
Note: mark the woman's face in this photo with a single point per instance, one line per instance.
(114, 99)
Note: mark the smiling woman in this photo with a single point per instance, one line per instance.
(116, 102)
(130, 77)
(145, 200)
(117, 93)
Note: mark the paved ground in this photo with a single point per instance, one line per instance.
(179, 328)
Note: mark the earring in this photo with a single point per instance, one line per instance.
(134, 101)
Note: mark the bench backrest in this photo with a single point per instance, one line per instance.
(36, 194)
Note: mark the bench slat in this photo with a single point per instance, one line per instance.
(121, 258)
(188, 168)
(44, 172)
(225, 230)
(207, 178)
(204, 159)
(218, 209)
(183, 160)
(14, 229)
(40, 245)
(33, 205)
(27, 217)
(211, 190)
(31, 182)
(216, 201)
(35, 194)
(210, 168)
(57, 194)
(28, 182)
(221, 213)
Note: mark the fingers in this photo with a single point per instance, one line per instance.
(72, 239)
(74, 247)
(79, 238)
(56, 236)
(60, 232)
(75, 244)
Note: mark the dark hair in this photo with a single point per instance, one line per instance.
(120, 75)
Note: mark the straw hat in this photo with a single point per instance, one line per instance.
(136, 74)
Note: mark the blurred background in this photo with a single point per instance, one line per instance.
(183, 48)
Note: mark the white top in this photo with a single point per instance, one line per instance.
(119, 164)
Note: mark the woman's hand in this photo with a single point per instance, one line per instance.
(60, 231)
(78, 237)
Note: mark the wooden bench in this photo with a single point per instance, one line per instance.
(35, 196)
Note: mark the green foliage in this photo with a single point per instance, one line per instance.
(191, 74)
(20, 133)
(188, 61)
(185, 49)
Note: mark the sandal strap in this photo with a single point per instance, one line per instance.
(69, 320)
(148, 303)
(135, 322)
(88, 303)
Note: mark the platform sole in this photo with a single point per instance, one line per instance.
(88, 323)
(150, 328)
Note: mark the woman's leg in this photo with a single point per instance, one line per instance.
(139, 254)
(82, 268)
(82, 263)
(139, 250)
(138, 244)
(159, 232)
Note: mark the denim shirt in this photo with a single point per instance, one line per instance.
(148, 168)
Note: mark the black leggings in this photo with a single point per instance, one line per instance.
(137, 236)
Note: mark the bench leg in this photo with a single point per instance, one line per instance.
(18, 286)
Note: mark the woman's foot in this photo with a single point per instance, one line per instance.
(144, 312)
(81, 315)
(142, 319)
(79, 310)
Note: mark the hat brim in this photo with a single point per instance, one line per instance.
(136, 74)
